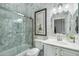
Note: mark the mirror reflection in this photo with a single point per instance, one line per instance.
(59, 26)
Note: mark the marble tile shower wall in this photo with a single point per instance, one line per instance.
(15, 37)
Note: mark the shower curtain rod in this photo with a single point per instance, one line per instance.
(23, 15)
(18, 13)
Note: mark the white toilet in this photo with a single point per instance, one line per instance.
(30, 52)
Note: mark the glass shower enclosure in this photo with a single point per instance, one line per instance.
(15, 33)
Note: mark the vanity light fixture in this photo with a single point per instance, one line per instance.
(60, 7)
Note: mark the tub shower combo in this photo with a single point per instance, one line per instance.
(16, 34)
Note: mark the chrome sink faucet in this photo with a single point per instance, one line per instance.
(59, 37)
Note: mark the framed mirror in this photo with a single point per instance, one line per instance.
(41, 22)
(75, 23)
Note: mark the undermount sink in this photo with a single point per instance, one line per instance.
(63, 42)
(55, 41)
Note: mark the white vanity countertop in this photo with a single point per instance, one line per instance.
(64, 44)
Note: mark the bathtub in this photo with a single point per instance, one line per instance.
(15, 50)
(30, 52)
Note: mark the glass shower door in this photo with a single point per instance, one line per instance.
(15, 33)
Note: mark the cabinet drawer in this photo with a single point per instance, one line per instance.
(68, 52)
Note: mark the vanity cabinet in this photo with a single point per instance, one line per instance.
(50, 50)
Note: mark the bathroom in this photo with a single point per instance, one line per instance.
(39, 29)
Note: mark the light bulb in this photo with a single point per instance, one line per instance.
(67, 6)
(59, 7)
(54, 9)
